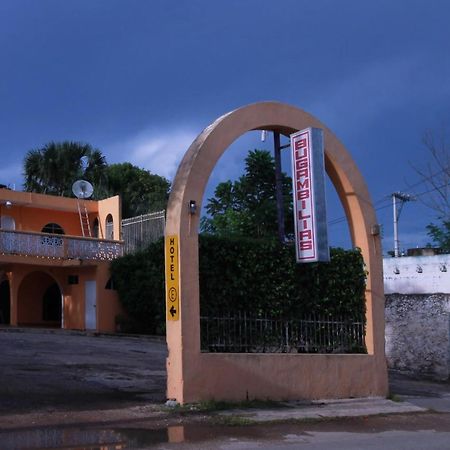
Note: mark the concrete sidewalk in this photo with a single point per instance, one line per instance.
(321, 409)
(158, 413)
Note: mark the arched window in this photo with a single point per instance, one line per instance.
(7, 223)
(53, 228)
(109, 228)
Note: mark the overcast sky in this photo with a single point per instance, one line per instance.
(140, 79)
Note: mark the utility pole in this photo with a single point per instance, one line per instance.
(277, 147)
(278, 185)
(403, 198)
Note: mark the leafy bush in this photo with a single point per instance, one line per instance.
(262, 277)
(239, 274)
(139, 280)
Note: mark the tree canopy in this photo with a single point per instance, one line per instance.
(440, 235)
(140, 190)
(53, 169)
(247, 206)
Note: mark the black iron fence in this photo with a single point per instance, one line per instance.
(242, 333)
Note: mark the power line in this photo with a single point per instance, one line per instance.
(411, 186)
(343, 218)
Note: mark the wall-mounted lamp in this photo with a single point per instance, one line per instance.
(419, 269)
(192, 207)
(8, 204)
(375, 230)
(263, 135)
(396, 271)
(443, 268)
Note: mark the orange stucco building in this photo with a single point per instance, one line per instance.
(53, 272)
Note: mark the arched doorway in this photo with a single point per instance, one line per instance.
(5, 303)
(109, 227)
(51, 304)
(196, 376)
(96, 228)
(7, 223)
(39, 301)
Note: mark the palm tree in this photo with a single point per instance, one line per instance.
(53, 168)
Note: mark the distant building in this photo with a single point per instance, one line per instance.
(423, 251)
(54, 261)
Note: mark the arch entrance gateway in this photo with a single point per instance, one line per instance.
(193, 376)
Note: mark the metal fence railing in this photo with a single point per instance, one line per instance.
(241, 333)
(139, 231)
(56, 246)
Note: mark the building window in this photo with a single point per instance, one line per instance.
(53, 228)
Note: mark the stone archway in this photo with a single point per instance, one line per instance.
(195, 376)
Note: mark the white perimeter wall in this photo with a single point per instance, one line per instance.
(417, 274)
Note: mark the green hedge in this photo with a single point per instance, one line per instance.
(139, 280)
(238, 274)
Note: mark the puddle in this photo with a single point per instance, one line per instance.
(81, 439)
(114, 438)
(141, 436)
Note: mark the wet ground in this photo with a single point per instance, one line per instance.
(418, 431)
(68, 390)
(44, 370)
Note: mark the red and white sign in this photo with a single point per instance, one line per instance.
(305, 171)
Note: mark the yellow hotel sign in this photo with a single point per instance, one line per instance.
(172, 278)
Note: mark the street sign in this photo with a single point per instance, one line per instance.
(172, 278)
(308, 178)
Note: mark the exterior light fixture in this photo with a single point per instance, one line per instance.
(263, 135)
(375, 230)
(419, 269)
(192, 207)
(8, 204)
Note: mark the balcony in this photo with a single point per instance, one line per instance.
(56, 246)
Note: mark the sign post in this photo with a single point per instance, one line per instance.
(308, 178)
(172, 278)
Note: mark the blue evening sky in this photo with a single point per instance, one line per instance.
(140, 79)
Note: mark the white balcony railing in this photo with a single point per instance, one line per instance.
(57, 246)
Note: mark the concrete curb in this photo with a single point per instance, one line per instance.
(320, 409)
(317, 410)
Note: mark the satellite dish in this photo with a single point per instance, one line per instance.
(82, 189)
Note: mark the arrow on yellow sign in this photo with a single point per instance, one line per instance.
(172, 278)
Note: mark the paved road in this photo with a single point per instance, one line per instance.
(71, 382)
(42, 371)
(428, 394)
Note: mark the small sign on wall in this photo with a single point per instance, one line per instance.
(308, 178)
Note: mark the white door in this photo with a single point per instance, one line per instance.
(91, 305)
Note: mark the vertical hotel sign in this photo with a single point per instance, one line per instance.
(308, 178)
(172, 278)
